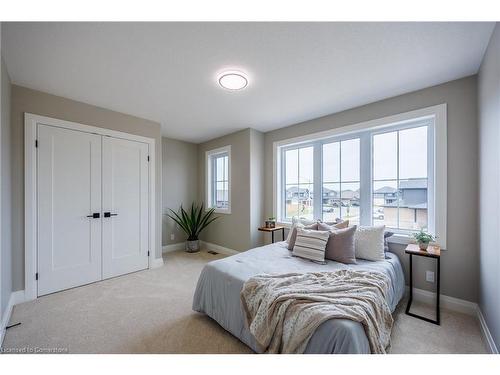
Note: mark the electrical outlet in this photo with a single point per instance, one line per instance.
(429, 276)
(172, 237)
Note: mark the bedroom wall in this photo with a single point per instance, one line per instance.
(6, 193)
(230, 230)
(179, 183)
(489, 183)
(237, 230)
(459, 264)
(40, 103)
(257, 211)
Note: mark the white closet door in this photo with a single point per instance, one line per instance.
(126, 198)
(69, 189)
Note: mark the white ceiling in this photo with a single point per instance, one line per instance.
(298, 71)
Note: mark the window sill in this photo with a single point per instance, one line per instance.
(225, 212)
(286, 225)
(402, 239)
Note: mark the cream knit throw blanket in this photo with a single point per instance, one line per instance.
(283, 311)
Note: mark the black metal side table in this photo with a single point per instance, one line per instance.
(272, 230)
(431, 252)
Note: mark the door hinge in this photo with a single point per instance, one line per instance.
(36, 276)
(148, 252)
(148, 157)
(36, 142)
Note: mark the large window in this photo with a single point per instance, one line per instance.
(341, 180)
(378, 174)
(219, 179)
(299, 183)
(400, 171)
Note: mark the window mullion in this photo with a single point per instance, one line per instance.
(431, 200)
(282, 205)
(366, 183)
(298, 183)
(397, 176)
(317, 181)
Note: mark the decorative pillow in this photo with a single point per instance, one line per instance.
(386, 243)
(311, 244)
(340, 246)
(340, 225)
(293, 232)
(302, 222)
(369, 243)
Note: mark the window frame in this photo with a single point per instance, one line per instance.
(210, 159)
(434, 116)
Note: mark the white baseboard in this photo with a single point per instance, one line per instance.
(173, 247)
(486, 332)
(15, 298)
(218, 248)
(446, 302)
(157, 262)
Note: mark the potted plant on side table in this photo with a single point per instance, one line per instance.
(192, 223)
(423, 239)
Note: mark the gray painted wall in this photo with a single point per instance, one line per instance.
(40, 103)
(238, 230)
(459, 264)
(6, 193)
(257, 211)
(489, 182)
(230, 230)
(179, 183)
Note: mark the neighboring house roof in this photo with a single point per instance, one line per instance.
(346, 194)
(385, 190)
(329, 191)
(350, 194)
(295, 189)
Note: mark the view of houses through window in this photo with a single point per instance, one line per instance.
(400, 179)
(299, 177)
(218, 171)
(221, 181)
(341, 181)
(397, 182)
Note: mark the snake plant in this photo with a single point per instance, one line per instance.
(193, 221)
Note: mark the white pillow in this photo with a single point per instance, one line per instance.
(299, 223)
(311, 244)
(369, 243)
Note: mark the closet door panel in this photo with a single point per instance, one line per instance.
(125, 206)
(69, 190)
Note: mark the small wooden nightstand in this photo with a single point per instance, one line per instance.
(272, 230)
(431, 252)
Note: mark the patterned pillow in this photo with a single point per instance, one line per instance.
(293, 231)
(369, 243)
(298, 222)
(311, 244)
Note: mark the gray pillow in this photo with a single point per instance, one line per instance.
(293, 236)
(386, 243)
(340, 246)
(339, 225)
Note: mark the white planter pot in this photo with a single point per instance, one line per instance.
(423, 245)
(193, 246)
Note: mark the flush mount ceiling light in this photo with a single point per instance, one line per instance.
(233, 80)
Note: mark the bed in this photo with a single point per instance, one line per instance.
(218, 294)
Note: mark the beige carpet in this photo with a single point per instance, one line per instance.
(150, 312)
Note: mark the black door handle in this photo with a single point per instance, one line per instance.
(95, 215)
(109, 214)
